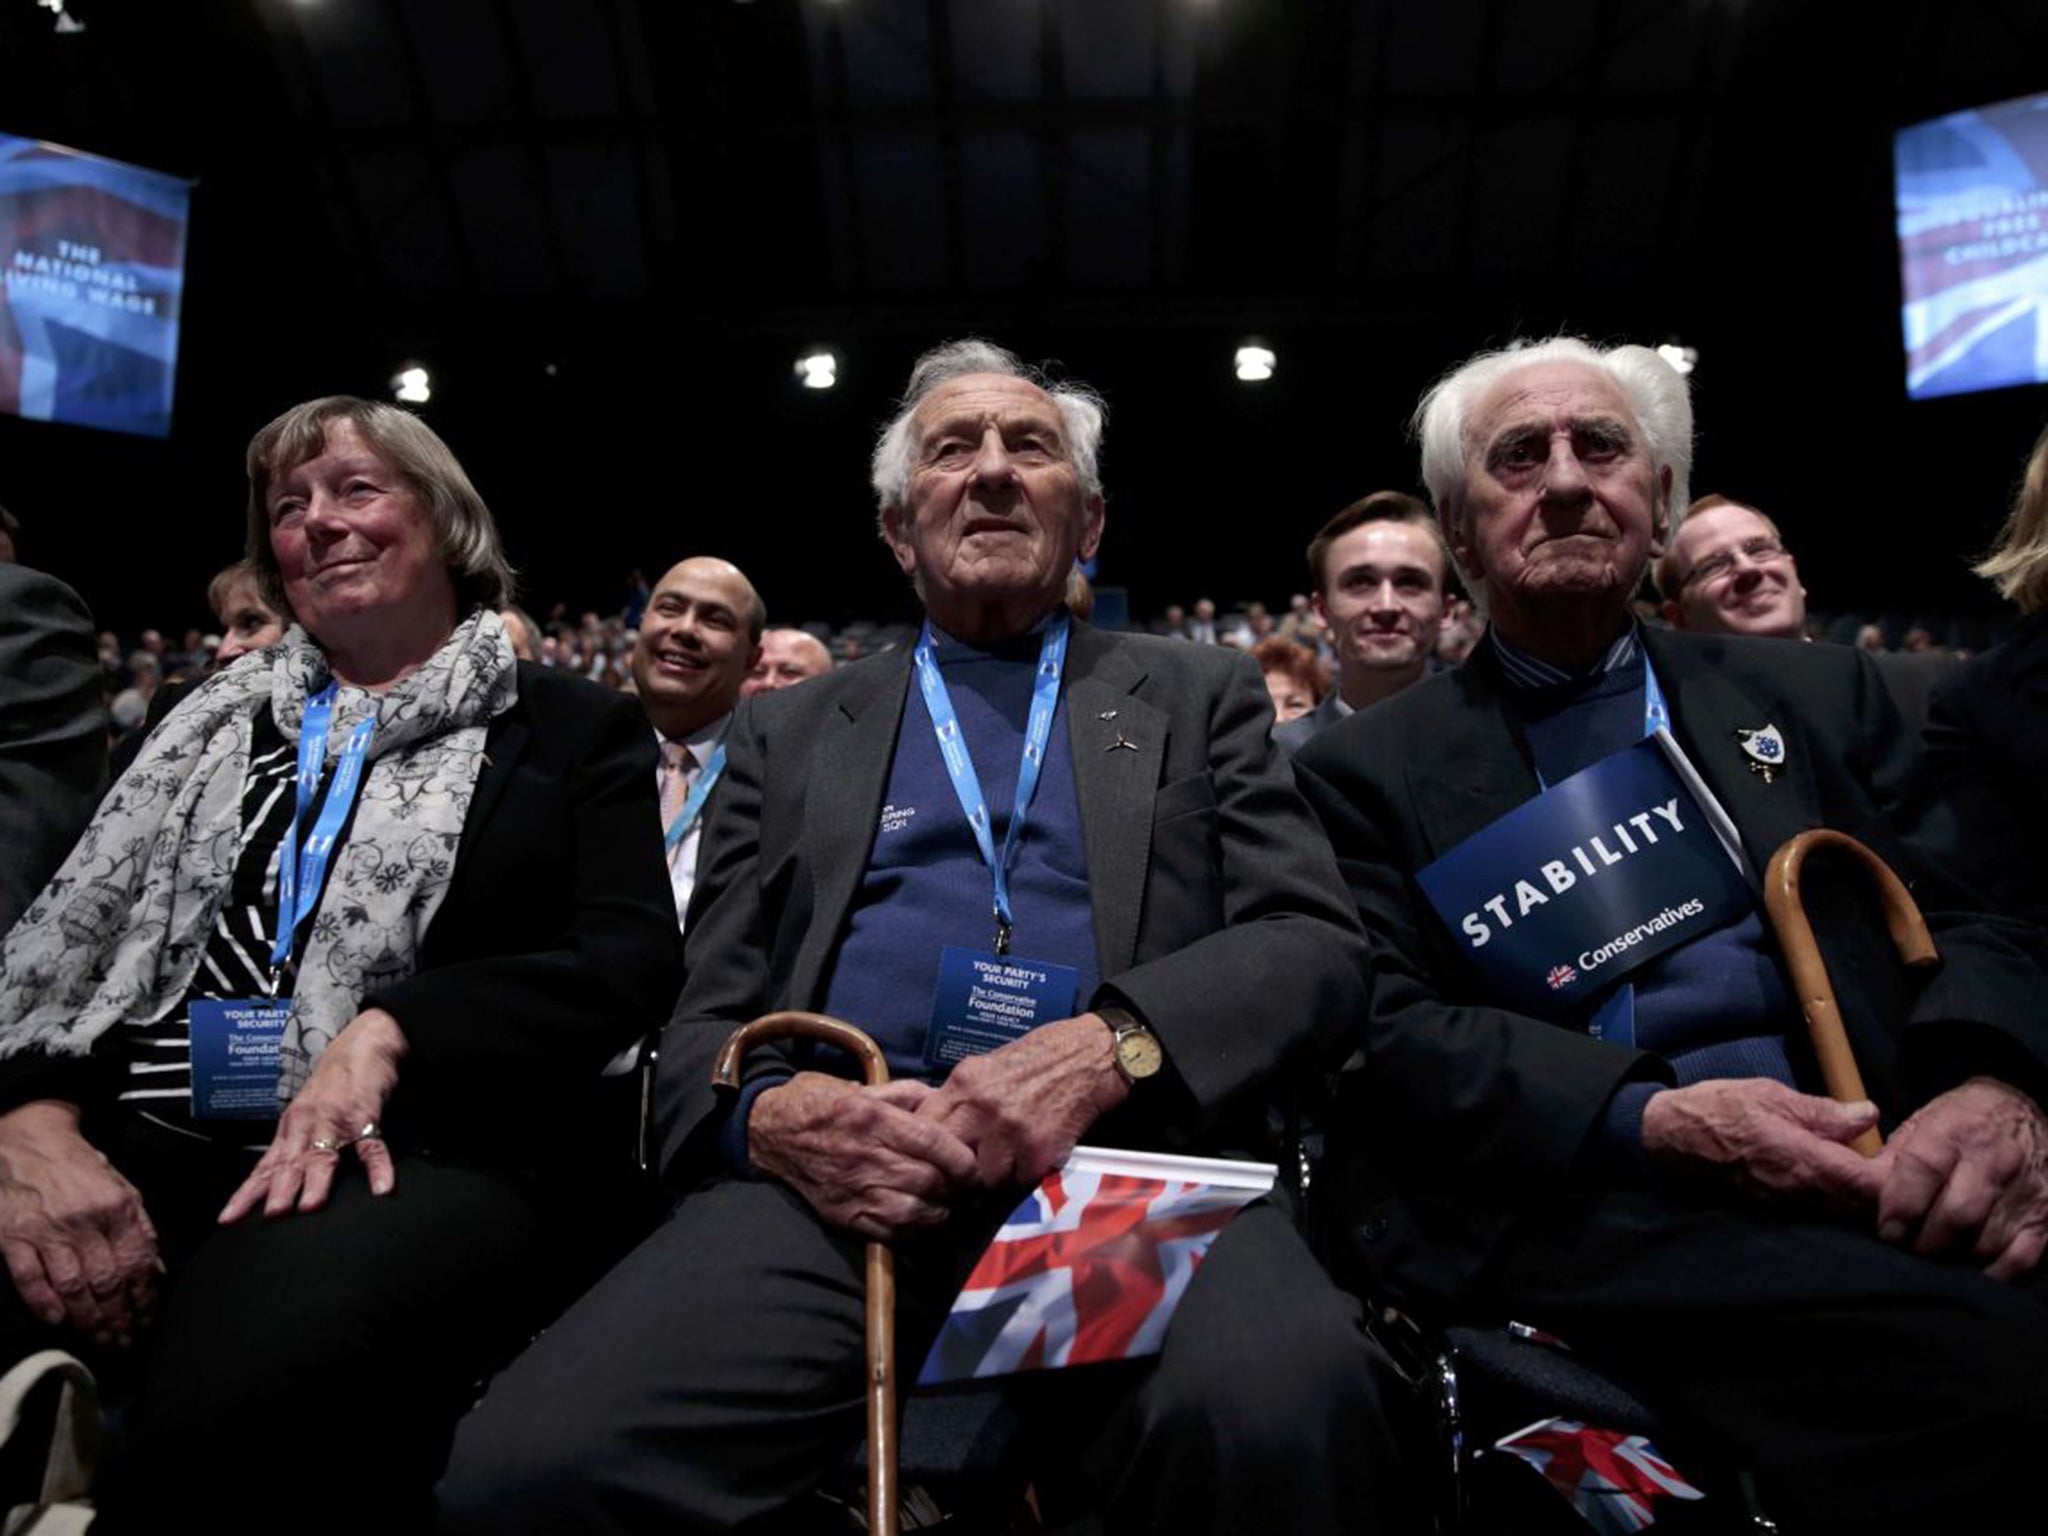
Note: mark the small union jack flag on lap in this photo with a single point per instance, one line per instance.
(1613, 1480)
(1092, 1264)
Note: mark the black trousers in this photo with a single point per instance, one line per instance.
(714, 1378)
(305, 1373)
(1870, 1390)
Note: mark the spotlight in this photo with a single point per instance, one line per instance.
(1682, 359)
(818, 370)
(411, 386)
(1254, 363)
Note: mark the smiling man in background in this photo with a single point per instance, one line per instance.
(1378, 569)
(1728, 572)
(698, 639)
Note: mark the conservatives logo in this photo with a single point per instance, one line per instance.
(1562, 976)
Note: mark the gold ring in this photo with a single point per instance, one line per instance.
(371, 1132)
(323, 1144)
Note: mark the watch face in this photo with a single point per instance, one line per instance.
(1137, 1052)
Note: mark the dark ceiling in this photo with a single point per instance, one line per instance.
(609, 227)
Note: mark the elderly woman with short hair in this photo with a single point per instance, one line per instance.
(284, 1060)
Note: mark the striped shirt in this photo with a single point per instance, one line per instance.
(155, 1058)
(1526, 672)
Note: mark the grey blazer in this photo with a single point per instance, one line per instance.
(1219, 915)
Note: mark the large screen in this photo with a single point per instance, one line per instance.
(93, 258)
(1973, 248)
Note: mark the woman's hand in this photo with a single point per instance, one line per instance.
(339, 1107)
(77, 1241)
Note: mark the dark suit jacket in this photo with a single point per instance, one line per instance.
(554, 949)
(1298, 733)
(1911, 678)
(556, 945)
(53, 731)
(1467, 1115)
(1987, 746)
(1219, 916)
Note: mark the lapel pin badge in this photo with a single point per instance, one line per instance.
(1107, 714)
(1765, 749)
(1122, 743)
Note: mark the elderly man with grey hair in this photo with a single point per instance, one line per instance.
(1196, 951)
(1624, 1140)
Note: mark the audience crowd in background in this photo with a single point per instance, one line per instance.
(600, 645)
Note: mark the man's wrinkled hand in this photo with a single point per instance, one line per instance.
(1023, 1106)
(1968, 1173)
(77, 1241)
(865, 1158)
(1770, 1139)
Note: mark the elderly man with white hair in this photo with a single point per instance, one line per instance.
(1194, 951)
(1621, 1138)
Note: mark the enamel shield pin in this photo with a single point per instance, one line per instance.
(1765, 749)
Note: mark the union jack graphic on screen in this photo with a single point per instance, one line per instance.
(1973, 248)
(1613, 1480)
(1092, 1264)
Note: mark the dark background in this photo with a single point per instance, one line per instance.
(666, 201)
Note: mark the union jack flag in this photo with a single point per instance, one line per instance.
(1092, 1264)
(1613, 1480)
(1561, 976)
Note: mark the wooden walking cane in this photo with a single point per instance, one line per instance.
(881, 1263)
(1810, 972)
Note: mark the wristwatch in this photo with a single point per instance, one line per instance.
(1135, 1050)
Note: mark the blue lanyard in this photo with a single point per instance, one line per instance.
(300, 875)
(693, 807)
(1045, 698)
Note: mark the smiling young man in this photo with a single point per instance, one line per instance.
(1378, 570)
(1653, 1171)
(1728, 572)
(699, 637)
(1191, 946)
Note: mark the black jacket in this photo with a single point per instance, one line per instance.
(1467, 1116)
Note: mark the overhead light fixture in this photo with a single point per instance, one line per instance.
(1255, 363)
(818, 370)
(411, 386)
(1682, 359)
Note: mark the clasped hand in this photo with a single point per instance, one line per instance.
(78, 1244)
(345, 1093)
(885, 1160)
(1966, 1175)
